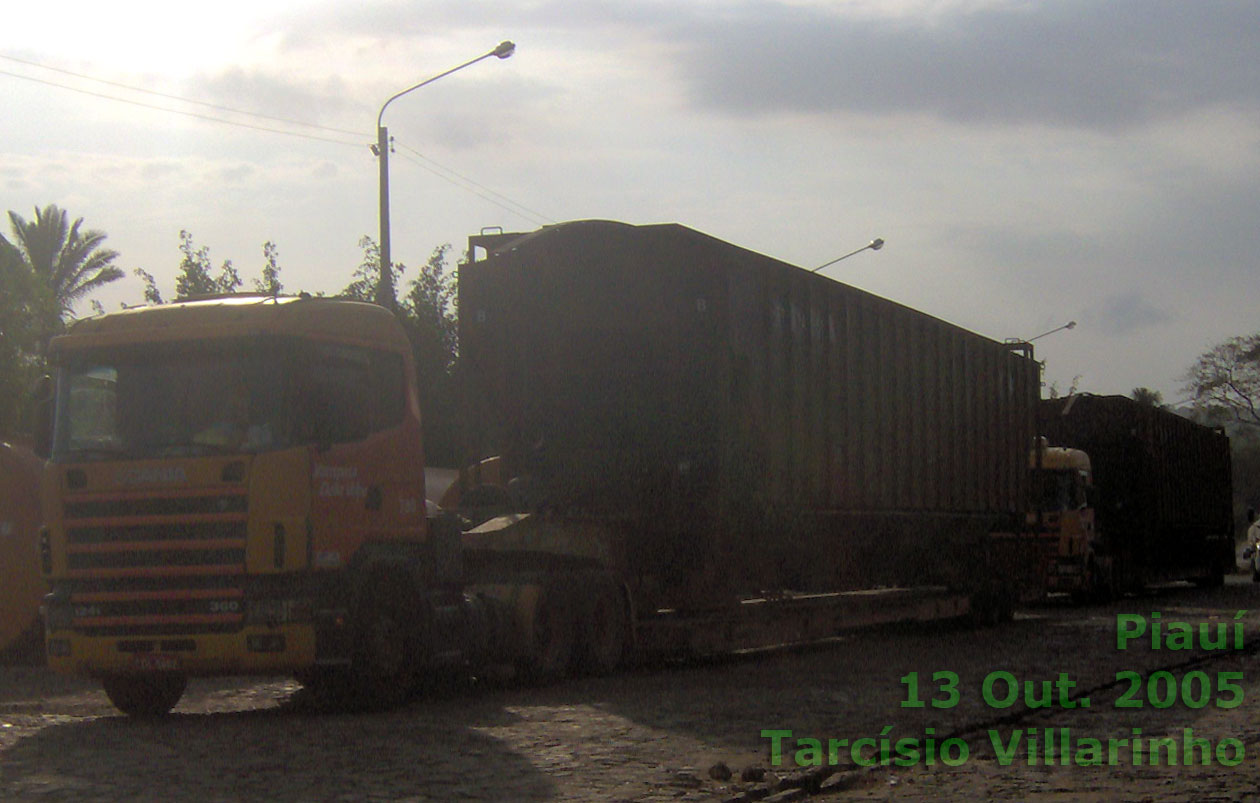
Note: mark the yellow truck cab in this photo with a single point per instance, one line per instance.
(231, 485)
(1063, 518)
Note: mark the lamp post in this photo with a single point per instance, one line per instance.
(874, 245)
(1068, 325)
(385, 284)
(1026, 346)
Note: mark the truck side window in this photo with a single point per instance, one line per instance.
(389, 387)
(345, 393)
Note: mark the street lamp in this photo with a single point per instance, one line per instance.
(1020, 344)
(874, 245)
(1068, 325)
(385, 284)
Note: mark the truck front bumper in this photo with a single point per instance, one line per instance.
(263, 650)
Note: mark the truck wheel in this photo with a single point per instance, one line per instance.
(1102, 583)
(326, 686)
(385, 663)
(990, 608)
(603, 635)
(1213, 579)
(145, 695)
(549, 638)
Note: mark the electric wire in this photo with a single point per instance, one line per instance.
(432, 166)
(182, 112)
(515, 208)
(179, 98)
(436, 168)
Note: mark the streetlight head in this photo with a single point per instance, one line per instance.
(876, 244)
(1070, 325)
(504, 49)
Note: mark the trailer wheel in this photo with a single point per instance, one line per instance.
(991, 608)
(1215, 578)
(604, 631)
(145, 695)
(328, 687)
(549, 638)
(1100, 584)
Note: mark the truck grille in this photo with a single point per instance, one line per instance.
(157, 564)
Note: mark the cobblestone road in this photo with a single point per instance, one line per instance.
(656, 734)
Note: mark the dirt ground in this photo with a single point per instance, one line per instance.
(663, 733)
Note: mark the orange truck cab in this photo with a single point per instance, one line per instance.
(21, 586)
(1063, 518)
(236, 486)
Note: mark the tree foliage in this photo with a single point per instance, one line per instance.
(367, 275)
(19, 337)
(270, 281)
(48, 267)
(1225, 381)
(429, 311)
(66, 262)
(195, 277)
(1147, 396)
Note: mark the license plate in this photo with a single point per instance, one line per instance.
(155, 662)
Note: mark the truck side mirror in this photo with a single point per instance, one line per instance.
(42, 409)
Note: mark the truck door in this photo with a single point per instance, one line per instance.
(367, 469)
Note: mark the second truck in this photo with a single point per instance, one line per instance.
(1128, 494)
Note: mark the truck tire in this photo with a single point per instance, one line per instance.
(149, 695)
(991, 608)
(385, 665)
(604, 631)
(549, 637)
(1100, 585)
(1215, 578)
(327, 687)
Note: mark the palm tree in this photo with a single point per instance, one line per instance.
(66, 262)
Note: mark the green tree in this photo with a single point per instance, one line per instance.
(1225, 381)
(365, 277)
(66, 262)
(270, 281)
(152, 294)
(428, 315)
(194, 277)
(19, 362)
(1147, 396)
(195, 274)
(429, 311)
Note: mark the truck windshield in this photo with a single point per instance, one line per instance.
(166, 401)
(1057, 490)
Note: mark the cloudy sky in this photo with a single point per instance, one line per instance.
(1028, 162)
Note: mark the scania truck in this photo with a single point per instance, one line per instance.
(1130, 495)
(236, 486)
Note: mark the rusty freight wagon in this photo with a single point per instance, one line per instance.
(745, 425)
